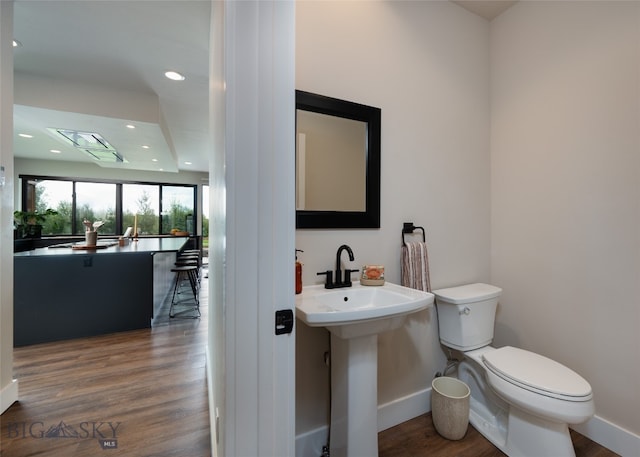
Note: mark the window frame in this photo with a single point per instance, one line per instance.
(26, 185)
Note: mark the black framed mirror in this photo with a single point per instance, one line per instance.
(337, 163)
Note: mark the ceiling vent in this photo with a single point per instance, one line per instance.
(92, 144)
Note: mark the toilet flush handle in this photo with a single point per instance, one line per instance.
(466, 311)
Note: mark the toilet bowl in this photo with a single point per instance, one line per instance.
(521, 401)
(539, 385)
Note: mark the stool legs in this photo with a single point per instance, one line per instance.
(183, 273)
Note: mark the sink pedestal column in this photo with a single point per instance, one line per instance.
(354, 396)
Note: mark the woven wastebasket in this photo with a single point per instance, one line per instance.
(450, 407)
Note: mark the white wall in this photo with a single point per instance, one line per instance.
(65, 169)
(565, 161)
(426, 65)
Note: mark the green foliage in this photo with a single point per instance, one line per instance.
(109, 219)
(205, 226)
(86, 212)
(32, 217)
(176, 218)
(29, 223)
(147, 218)
(58, 221)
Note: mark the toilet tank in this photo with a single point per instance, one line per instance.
(466, 315)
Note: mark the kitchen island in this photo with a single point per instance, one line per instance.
(68, 291)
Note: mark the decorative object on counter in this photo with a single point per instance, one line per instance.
(90, 238)
(298, 273)
(28, 224)
(91, 235)
(85, 247)
(134, 235)
(415, 260)
(178, 232)
(372, 275)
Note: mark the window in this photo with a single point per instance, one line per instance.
(96, 202)
(41, 195)
(142, 200)
(205, 219)
(115, 203)
(178, 205)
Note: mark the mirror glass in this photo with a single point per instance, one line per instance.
(322, 142)
(337, 163)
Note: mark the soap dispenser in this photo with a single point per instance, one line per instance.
(298, 273)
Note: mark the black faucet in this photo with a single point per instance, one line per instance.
(339, 282)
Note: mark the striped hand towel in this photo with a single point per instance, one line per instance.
(415, 266)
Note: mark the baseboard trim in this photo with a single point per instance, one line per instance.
(610, 435)
(389, 414)
(602, 431)
(309, 444)
(403, 409)
(8, 395)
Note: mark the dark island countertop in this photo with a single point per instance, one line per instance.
(110, 246)
(63, 293)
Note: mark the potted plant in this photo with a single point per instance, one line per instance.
(28, 224)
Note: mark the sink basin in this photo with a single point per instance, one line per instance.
(354, 316)
(359, 310)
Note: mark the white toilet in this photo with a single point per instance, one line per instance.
(521, 401)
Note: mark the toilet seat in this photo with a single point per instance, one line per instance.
(537, 374)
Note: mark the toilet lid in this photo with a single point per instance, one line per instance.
(468, 293)
(537, 373)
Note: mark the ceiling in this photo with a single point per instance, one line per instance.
(97, 66)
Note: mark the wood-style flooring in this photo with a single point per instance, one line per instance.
(144, 394)
(418, 437)
(140, 393)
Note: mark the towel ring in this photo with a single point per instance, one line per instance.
(408, 227)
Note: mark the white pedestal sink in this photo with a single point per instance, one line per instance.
(355, 316)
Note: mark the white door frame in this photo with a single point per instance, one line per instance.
(8, 385)
(259, 94)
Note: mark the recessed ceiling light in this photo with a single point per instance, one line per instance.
(154, 160)
(144, 146)
(188, 163)
(160, 169)
(130, 126)
(16, 44)
(25, 135)
(55, 151)
(174, 76)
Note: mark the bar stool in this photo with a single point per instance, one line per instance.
(191, 254)
(185, 273)
(190, 257)
(195, 274)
